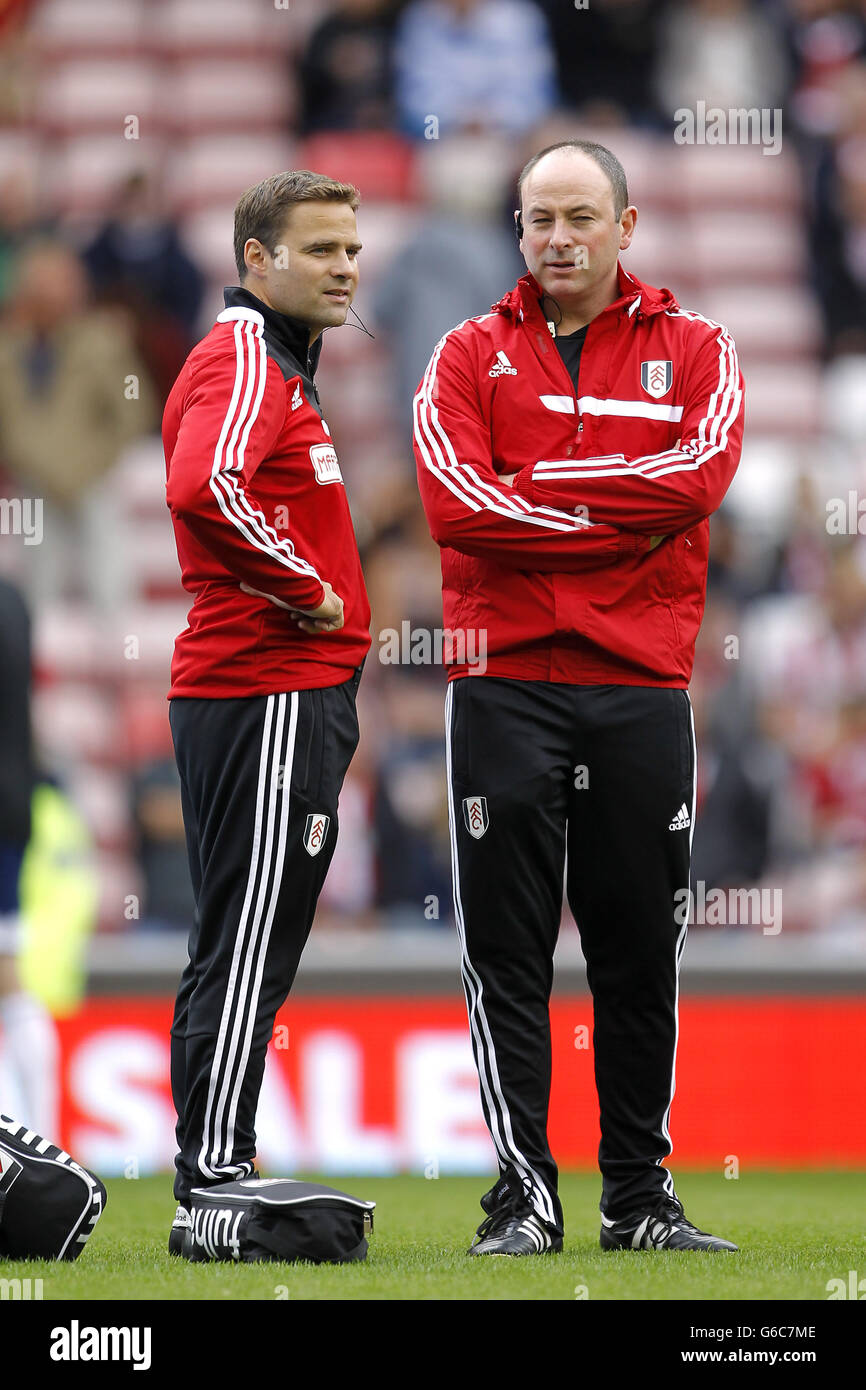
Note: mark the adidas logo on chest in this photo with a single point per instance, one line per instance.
(502, 366)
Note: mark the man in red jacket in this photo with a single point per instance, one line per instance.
(571, 445)
(264, 678)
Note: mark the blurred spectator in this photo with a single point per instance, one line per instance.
(168, 901)
(804, 655)
(606, 56)
(73, 392)
(804, 562)
(823, 37)
(21, 221)
(404, 581)
(60, 888)
(29, 1038)
(17, 74)
(725, 53)
(137, 259)
(459, 261)
(835, 781)
(345, 71)
(349, 895)
(738, 772)
(805, 662)
(411, 822)
(473, 65)
(724, 578)
(782, 732)
(838, 219)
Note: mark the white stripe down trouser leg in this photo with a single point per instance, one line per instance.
(494, 1100)
(260, 779)
(251, 938)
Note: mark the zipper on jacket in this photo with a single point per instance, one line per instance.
(552, 328)
(313, 382)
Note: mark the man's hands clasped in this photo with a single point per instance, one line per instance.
(328, 617)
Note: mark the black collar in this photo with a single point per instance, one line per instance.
(291, 333)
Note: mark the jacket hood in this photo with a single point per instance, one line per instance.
(634, 297)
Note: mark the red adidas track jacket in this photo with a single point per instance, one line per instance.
(256, 495)
(556, 572)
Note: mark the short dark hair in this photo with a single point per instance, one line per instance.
(606, 161)
(261, 211)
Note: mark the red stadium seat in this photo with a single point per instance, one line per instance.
(144, 713)
(139, 479)
(209, 232)
(645, 157)
(154, 570)
(766, 321)
(96, 94)
(75, 723)
(85, 172)
(661, 253)
(215, 169)
(67, 643)
(140, 640)
(384, 230)
(230, 27)
(746, 246)
(734, 176)
(205, 96)
(783, 400)
(381, 163)
(90, 27)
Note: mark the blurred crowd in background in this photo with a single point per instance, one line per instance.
(127, 131)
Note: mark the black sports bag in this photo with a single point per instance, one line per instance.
(278, 1219)
(49, 1204)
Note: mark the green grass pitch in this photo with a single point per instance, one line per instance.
(796, 1231)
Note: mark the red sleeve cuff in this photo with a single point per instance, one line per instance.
(633, 543)
(524, 485)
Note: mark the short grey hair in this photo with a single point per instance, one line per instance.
(604, 158)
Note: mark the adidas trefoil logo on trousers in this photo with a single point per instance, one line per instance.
(681, 820)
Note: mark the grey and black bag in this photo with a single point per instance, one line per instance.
(49, 1204)
(278, 1219)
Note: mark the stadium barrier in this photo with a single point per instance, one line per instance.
(370, 1067)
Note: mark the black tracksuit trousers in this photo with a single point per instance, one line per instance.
(605, 773)
(260, 778)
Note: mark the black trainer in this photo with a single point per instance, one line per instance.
(664, 1228)
(513, 1226)
(180, 1236)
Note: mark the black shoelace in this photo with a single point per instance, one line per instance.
(509, 1214)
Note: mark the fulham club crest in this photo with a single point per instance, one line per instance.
(316, 832)
(656, 377)
(475, 815)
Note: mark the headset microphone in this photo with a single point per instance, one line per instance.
(518, 224)
(360, 324)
